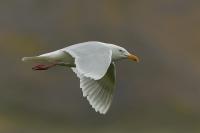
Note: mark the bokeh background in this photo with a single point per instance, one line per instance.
(160, 94)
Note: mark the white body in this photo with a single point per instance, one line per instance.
(94, 65)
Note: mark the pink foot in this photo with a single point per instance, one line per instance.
(43, 67)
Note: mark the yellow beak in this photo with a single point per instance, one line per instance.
(133, 57)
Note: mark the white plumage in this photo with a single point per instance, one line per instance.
(99, 93)
(93, 63)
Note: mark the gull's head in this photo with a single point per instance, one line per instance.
(119, 53)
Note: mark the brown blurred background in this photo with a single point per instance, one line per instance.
(160, 94)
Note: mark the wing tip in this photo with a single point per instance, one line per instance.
(97, 109)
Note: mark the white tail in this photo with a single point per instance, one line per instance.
(34, 58)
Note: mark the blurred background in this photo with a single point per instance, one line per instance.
(160, 94)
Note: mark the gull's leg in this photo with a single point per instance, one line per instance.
(46, 67)
(43, 67)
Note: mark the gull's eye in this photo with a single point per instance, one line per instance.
(120, 50)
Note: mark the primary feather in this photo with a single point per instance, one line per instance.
(99, 93)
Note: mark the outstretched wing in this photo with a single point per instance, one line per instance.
(99, 93)
(92, 59)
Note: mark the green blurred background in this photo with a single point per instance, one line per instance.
(161, 94)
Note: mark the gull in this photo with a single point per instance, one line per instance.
(94, 64)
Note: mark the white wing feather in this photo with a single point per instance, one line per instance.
(92, 59)
(99, 93)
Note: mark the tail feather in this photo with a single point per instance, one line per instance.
(34, 58)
